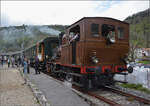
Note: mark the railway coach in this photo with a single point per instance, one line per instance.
(44, 50)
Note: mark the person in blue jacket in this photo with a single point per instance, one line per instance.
(25, 69)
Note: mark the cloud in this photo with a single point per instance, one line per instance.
(65, 12)
(105, 5)
(124, 9)
(47, 12)
(4, 19)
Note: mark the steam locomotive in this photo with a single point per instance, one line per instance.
(88, 54)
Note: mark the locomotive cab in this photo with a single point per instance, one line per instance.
(101, 41)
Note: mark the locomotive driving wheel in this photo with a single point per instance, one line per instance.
(69, 77)
(52, 68)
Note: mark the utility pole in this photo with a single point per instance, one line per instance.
(22, 45)
(24, 30)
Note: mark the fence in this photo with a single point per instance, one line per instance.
(140, 75)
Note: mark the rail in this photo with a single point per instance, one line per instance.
(143, 100)
(108, 101)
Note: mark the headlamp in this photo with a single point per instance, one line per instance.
(95, 60)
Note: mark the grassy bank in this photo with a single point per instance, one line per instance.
(138, 87)
(144, 62)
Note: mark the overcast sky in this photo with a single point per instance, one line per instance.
(65, 12)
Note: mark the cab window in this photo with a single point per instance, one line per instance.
(95, 30)
(106, 28)
(120, 32)
(74, 33)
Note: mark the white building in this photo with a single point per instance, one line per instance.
(141, 52)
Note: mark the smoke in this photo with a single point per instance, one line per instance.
(49, 31)
(12, 37)
(12, 33)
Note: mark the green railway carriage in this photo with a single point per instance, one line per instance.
(44, 50)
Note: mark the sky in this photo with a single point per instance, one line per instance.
(15, 13)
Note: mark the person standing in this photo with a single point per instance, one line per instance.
(16, 62)
(25, 65)
(28, 68)
(12, 61)
(8, 61)
(37, 66)
(2, 61)
(19, 61)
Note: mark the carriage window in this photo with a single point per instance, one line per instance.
(95, 30)
(120, 32)
(106, 29)
(54, 45)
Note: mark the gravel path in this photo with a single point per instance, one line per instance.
(12, 90)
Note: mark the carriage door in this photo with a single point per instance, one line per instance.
(74, 40)
(74, 52)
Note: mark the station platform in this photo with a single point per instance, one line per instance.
(12, 90)
(56, 93)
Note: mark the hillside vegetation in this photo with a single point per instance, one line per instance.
(140, 28)
(15, 38)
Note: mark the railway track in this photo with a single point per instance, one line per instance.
(101, 98)
(115, 98)
(112, 96)
(140, 99)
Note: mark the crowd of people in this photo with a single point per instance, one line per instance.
(26, 65)
(24, 62)
(13, 62)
